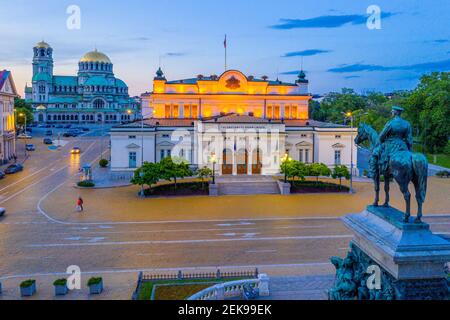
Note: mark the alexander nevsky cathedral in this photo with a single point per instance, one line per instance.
(95, 95)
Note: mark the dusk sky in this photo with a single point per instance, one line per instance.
(265, 37)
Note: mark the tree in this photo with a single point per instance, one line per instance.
(340, 172)
(204, 173)
(172, 170)
(149, 174)
(318, 170)
(298, 170)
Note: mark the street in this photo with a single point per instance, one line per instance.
(34, 243)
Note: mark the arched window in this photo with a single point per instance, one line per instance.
(99, 104)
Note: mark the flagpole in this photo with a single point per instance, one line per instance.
(226, 45)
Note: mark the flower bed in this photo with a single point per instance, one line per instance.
(316, 187)
(182, 189)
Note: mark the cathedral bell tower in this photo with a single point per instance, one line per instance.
(42, 72)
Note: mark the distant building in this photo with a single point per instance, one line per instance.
(250, 124)
(7, 126)
(95, 95)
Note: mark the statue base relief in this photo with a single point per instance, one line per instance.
(391, 259)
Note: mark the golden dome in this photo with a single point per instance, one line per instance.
(95, 56)
(42, 44)
(41, 108)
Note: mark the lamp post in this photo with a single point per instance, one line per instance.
(350, 115)
(24, 131)
(213, 160)
(284, 162)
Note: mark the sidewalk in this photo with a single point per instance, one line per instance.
(287, 283)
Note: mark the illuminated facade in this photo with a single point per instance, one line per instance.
(7, 126)
(248, 123)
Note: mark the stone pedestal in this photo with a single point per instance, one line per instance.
(213, 190)
(409, 257)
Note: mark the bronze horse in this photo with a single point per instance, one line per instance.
(404, 166)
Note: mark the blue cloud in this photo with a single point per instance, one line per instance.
(329, 21)
(305, 53)
(175, 54)
(443, 65)
(352, 77)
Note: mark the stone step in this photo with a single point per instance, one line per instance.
(246, 188)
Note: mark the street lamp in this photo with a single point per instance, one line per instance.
(284, 162)
(350, 116)
(23, 115)
(213, 160)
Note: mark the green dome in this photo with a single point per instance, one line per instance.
(96, 81)
(41, 76)
(121, 84)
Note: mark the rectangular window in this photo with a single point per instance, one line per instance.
(194, 112)
(294, 112)
(269, 112)
(277, 112)
(187, 111)
(307, 156)
(132, 156)
(338, 137)
(162, 154)
(287, 112)
(167, 112)
(175, 111)
(337, 157)
(131, 137)
(300, 156)
(169, 153)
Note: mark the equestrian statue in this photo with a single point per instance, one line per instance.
(392, 158)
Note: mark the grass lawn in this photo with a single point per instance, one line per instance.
(177, 289)
(442, 160)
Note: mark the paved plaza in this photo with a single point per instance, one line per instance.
(121, 234)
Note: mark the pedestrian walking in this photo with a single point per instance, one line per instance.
(80, 203)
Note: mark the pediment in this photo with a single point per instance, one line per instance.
(165, 144)
(338, 146)
(133, 146)
(304, 144)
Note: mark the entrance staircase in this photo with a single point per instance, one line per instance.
(247, 185)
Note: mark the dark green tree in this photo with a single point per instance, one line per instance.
(340, 172)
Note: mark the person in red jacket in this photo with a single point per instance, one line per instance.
(80, 204)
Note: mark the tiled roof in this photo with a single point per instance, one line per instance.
(65, 80)
(3, 77)
(311, 123)
(236, 118)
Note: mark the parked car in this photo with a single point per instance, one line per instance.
(29, 130)
(75, 150)
(49, 126)
(49, 133)
(68, 126)
(24, 136)
(30, 147)
(48, 141)
(2, 174)
(59, 126)
(85, 129)
(14, 168)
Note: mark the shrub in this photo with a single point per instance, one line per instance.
(366, 173)
(340, 172)
(103, 163)
(443, 174)
(60, 282)
(27, 283)
(94, 280)
(86, 184)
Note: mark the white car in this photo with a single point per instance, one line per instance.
(24, 136)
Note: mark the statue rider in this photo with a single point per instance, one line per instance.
(396, 136)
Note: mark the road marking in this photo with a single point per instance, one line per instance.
(55, 245)
(261, 251)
